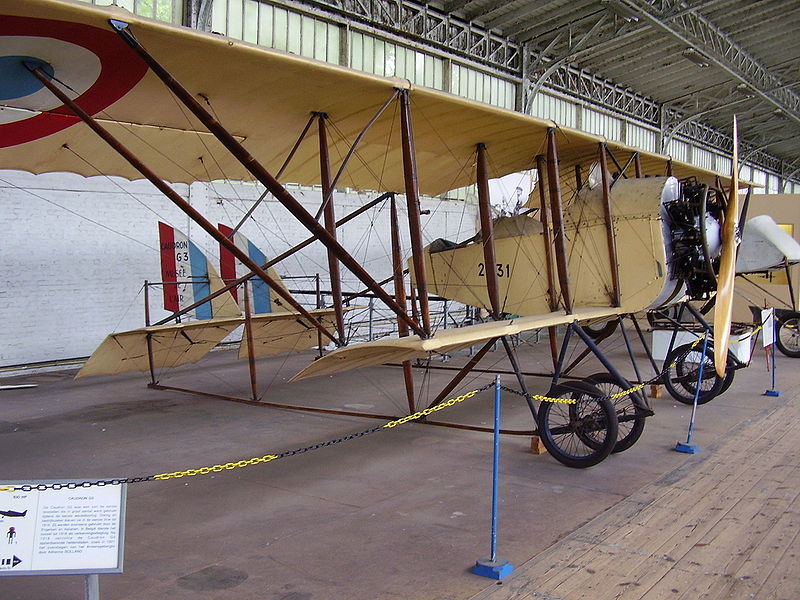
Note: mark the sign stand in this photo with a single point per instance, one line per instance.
(492, 567)
(93, 586)
(768, 319)
(688, 447)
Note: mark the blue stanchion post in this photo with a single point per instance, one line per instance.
(688, 447)
(492, 567)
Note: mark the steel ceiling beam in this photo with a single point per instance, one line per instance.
(698, 32)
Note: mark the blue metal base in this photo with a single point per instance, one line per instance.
(772, 393)
(496, 569)
(687, 448)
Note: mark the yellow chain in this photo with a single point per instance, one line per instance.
(216, 468)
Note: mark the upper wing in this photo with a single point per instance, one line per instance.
(264, 97)
(386, 350)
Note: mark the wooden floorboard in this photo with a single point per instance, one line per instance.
(723, 525)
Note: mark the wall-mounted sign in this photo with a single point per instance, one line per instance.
(61, 532)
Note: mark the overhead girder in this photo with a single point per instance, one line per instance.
(698, 32)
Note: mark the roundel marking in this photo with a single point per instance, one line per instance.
(94, 62)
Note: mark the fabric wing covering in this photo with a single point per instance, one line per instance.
(283, 332)
(185, 343)
(386, 350)
(263, 97)
(172, 345)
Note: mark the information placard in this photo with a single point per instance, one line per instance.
(63, 531)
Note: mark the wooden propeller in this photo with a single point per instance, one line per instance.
(727, 269)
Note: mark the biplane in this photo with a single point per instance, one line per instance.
(615, 230)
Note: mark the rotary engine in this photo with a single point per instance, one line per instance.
(694, 221)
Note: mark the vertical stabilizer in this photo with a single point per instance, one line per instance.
(188, 277)
(264, 299)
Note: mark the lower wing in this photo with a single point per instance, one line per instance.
(381, 351)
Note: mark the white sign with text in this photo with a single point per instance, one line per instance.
(64, 531)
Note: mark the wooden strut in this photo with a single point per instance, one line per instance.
(260, 173)
(611, 236)
(149, 337)
(558, 219)
(541, 169)
(400, 296)
(179, 201)
(412, 200)
(330, 225)
(272, 262)
(487, 234)
(251, 351)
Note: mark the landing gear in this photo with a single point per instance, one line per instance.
(582, 434)
(788, 335)
(682, 372)
(630, 416)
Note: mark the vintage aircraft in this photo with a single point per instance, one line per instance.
(79, 79)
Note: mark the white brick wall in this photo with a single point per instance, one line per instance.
(76, 251)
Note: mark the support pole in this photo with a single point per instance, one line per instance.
(487, 234)
(637, 165)
(611, 237)
(492, 567)
(558, 219)
(180, 202)
(412, 199)
(248, 330)
(330, 225)
(688, 447)
(400, 296)
(261, 174)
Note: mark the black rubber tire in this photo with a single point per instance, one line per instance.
(601, 330)
(788, 336)
(630, 417)
(565, 429)
(681, 373)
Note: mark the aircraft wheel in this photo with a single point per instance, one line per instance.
(630, 416)
(578, 435)
(682, 372)
(601, 330)
(788, 336)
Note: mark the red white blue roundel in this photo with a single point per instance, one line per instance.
(95, 63)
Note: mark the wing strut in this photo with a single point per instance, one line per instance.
(558, 219)
(165, 189)
(487, 234)
(400, 296)
(544, 217)
(609, 217)
(261, 174)
(330, 224)
(412, 198)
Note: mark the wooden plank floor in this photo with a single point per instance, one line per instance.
(722, 525)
